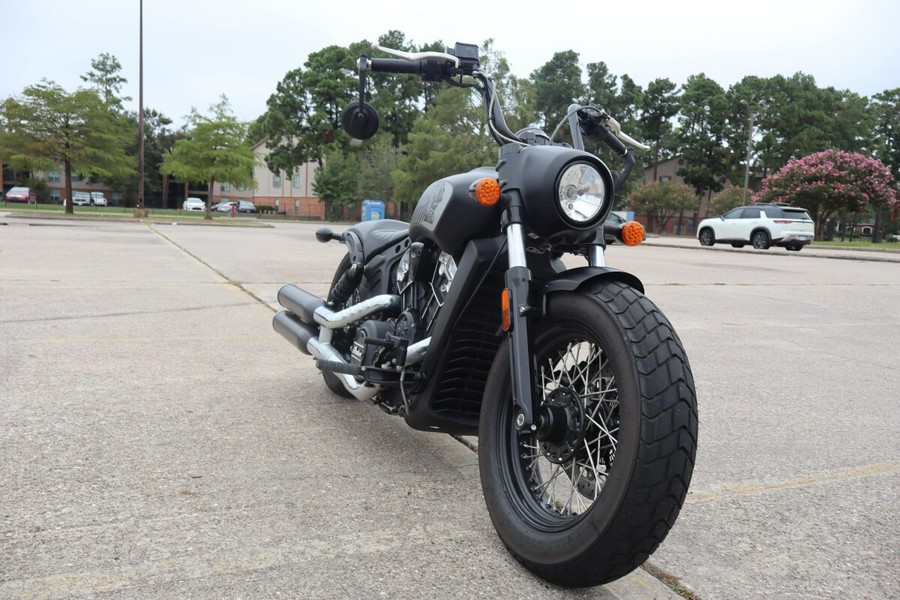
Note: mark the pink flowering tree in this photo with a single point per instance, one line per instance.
(832, 183)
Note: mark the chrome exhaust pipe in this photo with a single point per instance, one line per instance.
(330, 319)
(311, 309)
(299, 325)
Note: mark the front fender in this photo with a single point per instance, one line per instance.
(573, 279)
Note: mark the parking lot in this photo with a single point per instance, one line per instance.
(160, 440)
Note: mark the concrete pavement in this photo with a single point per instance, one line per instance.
(160, 441)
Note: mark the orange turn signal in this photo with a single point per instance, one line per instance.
(486, 191)
(632, 233)
(505, 316)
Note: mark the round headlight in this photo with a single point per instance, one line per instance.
(581, 193)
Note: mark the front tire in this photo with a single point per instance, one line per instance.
(590, 495)
(707, 237)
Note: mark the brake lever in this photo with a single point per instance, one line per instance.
(617, 131)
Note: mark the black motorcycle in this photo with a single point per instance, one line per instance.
(467, 321)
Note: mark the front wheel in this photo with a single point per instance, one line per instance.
(590, 494)
(707, 237)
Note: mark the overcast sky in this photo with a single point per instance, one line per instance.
(196, 50)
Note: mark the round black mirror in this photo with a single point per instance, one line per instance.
(360, 121)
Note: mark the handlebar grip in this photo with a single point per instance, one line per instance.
(610, 139)
(396, 65)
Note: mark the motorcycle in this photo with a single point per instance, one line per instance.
(467, 321)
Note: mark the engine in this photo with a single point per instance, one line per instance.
(422, 279)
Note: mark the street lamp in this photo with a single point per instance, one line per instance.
(753, 114)
(140, 211)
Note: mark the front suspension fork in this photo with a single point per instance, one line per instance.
(521, 356)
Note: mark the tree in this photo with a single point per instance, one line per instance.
(336, 181)
(886, 109)
(106, 80)
(831, 183)
(701, 133)
(660, 201)
(48, 127)
(375, 164)
(451, 138)
(557, 84)
(730, 197)
(214, 150)
(659, 105)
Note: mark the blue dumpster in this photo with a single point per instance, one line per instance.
(372, 210)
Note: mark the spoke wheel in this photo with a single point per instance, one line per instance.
(586, 496)
(563, 466)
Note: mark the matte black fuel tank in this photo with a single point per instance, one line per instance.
(448, 216)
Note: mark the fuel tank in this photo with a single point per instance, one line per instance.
(449, 217)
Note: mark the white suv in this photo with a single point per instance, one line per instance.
(762, 225)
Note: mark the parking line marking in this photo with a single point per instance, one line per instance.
(751, 488)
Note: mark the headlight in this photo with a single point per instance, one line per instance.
(581, 193)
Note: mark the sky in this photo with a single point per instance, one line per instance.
(196, 50)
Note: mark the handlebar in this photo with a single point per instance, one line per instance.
(462, 60)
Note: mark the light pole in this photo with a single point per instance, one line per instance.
(753, 113)
(139, 211)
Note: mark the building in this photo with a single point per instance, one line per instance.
(289, 193)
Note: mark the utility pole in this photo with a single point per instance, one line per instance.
(749, 149)
(140, 212)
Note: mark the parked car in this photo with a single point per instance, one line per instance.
(98, 199)
(194, 204)
(246, 207)
(241, 206)
(21, 194)
(79, 199)
(762, 225)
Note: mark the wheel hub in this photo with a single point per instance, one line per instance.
(561, 424)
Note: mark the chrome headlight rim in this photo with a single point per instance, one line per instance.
(570, 201)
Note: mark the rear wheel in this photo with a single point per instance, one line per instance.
(796, 248)
(589, 495)
(737, 244)
(760, 240)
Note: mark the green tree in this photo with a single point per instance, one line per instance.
(832, 183)
(375, 164)
(659, 104)
(397, 98)
(701, 134)
(337, 181)
(214, 150)
(557, 84)
(451, 138)
(730, 197)
(886, 109)
(303, 115)
(105, 77)
(660, 201)
(47, 127)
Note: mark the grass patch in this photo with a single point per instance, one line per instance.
(858, 243)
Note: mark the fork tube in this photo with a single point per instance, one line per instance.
(518, 282)
(596, 256)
